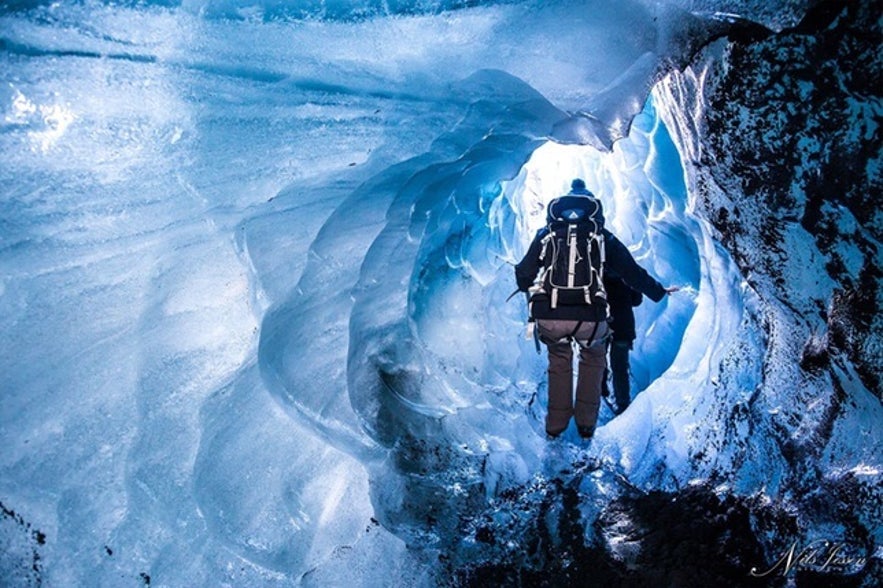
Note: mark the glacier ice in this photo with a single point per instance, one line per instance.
(255, 260)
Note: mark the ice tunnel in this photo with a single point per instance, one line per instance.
(255, 260)
(444, 395)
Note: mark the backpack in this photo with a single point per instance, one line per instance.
(572, 252)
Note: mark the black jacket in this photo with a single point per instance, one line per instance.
(622, 299)
(618, 258)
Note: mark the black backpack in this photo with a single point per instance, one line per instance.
(572, 253)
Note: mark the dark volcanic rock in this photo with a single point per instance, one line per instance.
(786, 167)
(687, 538)
(792, 135)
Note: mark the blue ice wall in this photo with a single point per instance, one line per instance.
(253, 272)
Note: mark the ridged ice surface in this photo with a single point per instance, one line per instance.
(254, 262)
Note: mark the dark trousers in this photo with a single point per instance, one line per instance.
(559, 337)
(619, 369)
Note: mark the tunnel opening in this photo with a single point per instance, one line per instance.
(444, 394)
(641, 184)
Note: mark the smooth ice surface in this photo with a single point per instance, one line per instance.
(253, 265)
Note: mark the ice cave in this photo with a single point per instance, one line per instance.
(255, 275)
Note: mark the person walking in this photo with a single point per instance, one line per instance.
(622, 300)
(563, 273)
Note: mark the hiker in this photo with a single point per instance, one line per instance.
(621, 300)
(568, 302)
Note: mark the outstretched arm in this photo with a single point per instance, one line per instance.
(620, 259)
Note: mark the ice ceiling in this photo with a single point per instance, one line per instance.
(254, 265)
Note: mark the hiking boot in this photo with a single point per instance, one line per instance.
(553, 436)
(586, 432)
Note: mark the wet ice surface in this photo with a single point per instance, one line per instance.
(254, 273)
